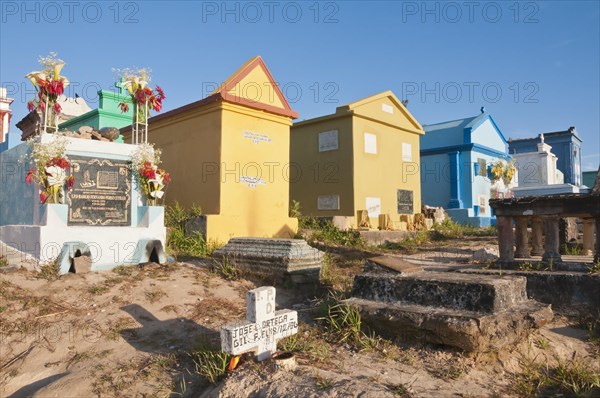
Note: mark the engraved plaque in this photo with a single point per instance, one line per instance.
(405, 202)
(328, 202)
(101, 194)
(328, 140)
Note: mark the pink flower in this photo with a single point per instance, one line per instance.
(43, 197)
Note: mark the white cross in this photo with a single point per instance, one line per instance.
(263, 326)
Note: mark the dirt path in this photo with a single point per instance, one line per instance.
(131, 332)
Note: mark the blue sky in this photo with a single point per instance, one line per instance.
(534, 65)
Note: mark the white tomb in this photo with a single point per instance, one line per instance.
(107, 223)
(262, 328)
(538, 175)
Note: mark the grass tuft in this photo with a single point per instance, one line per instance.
(226, 267)
(49, 271)
(212, 365)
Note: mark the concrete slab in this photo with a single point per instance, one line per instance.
(470, 311)
(390, 264)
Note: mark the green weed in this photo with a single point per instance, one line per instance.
(527, 266)
(594, 268)
(226, 267)
(181, 243)
(344, 326)
(574, 378)
(212, 365)
(573, 250)
(322, 230)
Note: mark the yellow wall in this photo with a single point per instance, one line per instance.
(323, 173)
(362, 174)
(190, 144)
(260, 210)
(383, 174)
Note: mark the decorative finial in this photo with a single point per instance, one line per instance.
(483, 109)
(542, 138)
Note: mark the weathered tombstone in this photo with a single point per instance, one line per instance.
(285, 259)
(262, 328)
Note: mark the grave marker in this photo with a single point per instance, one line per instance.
(263, 326)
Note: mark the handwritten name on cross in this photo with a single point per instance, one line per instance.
(263, 326)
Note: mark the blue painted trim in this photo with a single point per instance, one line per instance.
(466, 147)
(498, 129)
(478, 121)
(491, 151)
(467, 135)
(455, 200)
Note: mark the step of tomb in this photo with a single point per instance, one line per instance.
(478, 293)
(467, 330)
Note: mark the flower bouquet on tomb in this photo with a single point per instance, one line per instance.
(49, 86)
(51, 169)
(143, 98)
(151, 179)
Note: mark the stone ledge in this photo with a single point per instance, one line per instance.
(568, 292)
(467, 330)
(459, 291)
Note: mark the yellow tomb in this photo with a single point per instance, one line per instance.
(229, 154)
(359, 165)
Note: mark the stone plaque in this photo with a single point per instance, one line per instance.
(405, 202)
(328, 202)
(101, 194)
(328, 140)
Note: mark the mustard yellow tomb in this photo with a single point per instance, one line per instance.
(358, 164)
(229, 154)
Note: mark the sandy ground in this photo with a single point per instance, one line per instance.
(130, 332)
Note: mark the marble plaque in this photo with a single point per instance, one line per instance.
(373, 207)
(328, 140)
(101, 194)
(328, 202)
(370, 143)
(405, 202)
(406, 152)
